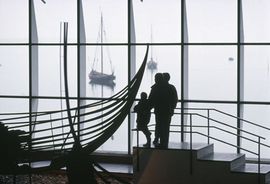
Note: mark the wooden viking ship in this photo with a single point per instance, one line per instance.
(55, 141)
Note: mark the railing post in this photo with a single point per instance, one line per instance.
(191, 159)
(138, 160)
(14, 179)
(259, 160)
(52, 131)
(208, 126)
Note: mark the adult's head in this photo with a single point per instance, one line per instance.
(158, 78)
(166, 77)
(143, 95)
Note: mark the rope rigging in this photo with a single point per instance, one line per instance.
(102, 38)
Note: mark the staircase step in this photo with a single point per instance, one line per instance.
(158, 166)
(235, 160)
(205, 151)
(187, 146)
(253, 169)
(181, 146)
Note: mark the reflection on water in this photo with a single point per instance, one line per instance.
(108, 86)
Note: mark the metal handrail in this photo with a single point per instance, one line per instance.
(215, 127)
(175, 131)
(197, 114)
(258, 154)
(227, 114)
(238, 147)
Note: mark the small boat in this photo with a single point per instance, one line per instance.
(152, 65)
(99, 77)
(230, 59)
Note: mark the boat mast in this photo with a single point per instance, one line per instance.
(101, 41)
(151, 43)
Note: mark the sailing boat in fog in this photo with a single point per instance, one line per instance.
(99, 77)
(152, 65)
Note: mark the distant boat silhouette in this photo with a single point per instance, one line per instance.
(99, 77)
(152, 65)
(231, 59)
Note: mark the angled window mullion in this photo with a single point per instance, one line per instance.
(240, 71)
(81, 65)
(184, 67)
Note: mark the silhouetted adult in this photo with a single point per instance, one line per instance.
(172, 98)
(155, 102)
(163, 98)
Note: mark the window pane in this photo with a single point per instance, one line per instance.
(54, 121)
(257, 73)
(14, 71)
(259, 114)
(11, 105)
(163, 16)
(114, 20)
(168, 59)
(118, 142)
(50, 71)
(50, 15)
(255, 18)
(212, 73)
(212, 21)
(14, 21)
(115, 61)
(217, 119)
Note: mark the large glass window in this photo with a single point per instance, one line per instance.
(217, 53)
(11, 108)
(257, 73)
(167, 59)
(217, 121)
(51, 71)
(14, 70)
(14, 21)
(256, 29)
(49, 16)
(212, 72)
(260, 115)
(112, 60)
(212, 21)
(110, 16)
(157, 21)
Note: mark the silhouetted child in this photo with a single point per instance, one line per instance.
(143, 117)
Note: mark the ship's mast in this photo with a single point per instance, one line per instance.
(151, 43)
(101, 41)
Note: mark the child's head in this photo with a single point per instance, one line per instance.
(143, 95)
